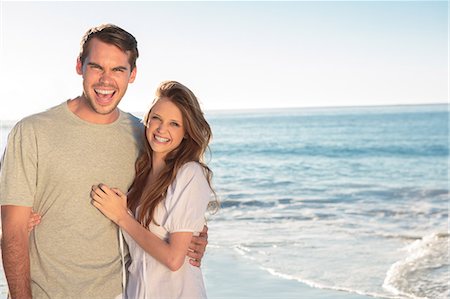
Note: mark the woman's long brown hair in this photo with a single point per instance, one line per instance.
(147, 195)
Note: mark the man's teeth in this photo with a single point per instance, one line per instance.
(101, 91)
(161, 139)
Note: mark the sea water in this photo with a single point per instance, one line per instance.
(353, 199)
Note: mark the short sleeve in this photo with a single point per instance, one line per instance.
(18, 167)
(187, 200)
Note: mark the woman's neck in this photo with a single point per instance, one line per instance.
(157, 166)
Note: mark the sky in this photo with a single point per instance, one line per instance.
(234, 55)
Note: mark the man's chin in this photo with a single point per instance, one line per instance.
(104, 109)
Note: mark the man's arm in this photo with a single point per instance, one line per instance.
(15, 250)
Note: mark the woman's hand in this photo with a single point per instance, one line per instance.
(34, 220)
(110, 201)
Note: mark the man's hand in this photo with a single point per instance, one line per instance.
(197, 247)
(34, 220)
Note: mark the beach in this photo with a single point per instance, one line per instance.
(228, 275)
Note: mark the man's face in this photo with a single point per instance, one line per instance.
(106, 74)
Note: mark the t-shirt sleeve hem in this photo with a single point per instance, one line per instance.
(9, 202)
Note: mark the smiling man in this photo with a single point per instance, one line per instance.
(50, 163)
(106, 74)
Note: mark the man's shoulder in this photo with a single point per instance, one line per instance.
(130, 119)
(41, 117)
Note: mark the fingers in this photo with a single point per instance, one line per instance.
(103, 188)
(199, 243)
(195, 263)
(204, 233)
(205, 230)
(34, 220)
(95, 190)
(35, 216)
(119, 193)
(195, 258)
(96, 194)
(100, 191)
(197, 248)
(195, 255)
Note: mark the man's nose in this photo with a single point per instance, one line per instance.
(105, 77)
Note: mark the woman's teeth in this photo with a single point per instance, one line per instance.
(161, 139)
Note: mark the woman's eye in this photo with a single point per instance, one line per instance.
(174, 124)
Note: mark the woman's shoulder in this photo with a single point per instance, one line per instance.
(191, 176)
(190, 169)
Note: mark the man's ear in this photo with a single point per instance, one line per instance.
(132, 75)
(79, 67)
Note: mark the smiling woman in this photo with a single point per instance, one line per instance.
(168, 198)
(165, 129)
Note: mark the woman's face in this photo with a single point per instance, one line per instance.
(165, 129)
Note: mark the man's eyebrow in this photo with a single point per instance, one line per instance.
(120, 67)
(123, 68)
(94, 64)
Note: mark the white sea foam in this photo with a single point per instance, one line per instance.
(323, 286)
(414, 276)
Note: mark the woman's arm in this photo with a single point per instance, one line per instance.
(113, 204)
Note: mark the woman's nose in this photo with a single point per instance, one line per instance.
(161, 127)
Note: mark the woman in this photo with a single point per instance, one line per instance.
(166, 204)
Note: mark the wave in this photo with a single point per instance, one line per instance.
(404, 193)
(250, 203)
(255, 150)
(424, 272)
(322, 286)
(247, 253)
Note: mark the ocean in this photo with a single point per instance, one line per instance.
(350, 199)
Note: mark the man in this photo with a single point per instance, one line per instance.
(51, 161)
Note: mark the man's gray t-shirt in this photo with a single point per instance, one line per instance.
(51, 161)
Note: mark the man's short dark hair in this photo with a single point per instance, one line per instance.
(113, 35)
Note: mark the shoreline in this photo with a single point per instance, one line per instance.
(228, 275)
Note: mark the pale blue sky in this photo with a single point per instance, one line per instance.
(235, 55)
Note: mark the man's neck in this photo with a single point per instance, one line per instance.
(83, 110)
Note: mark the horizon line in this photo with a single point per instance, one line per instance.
(137, 113)
(312, 107)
